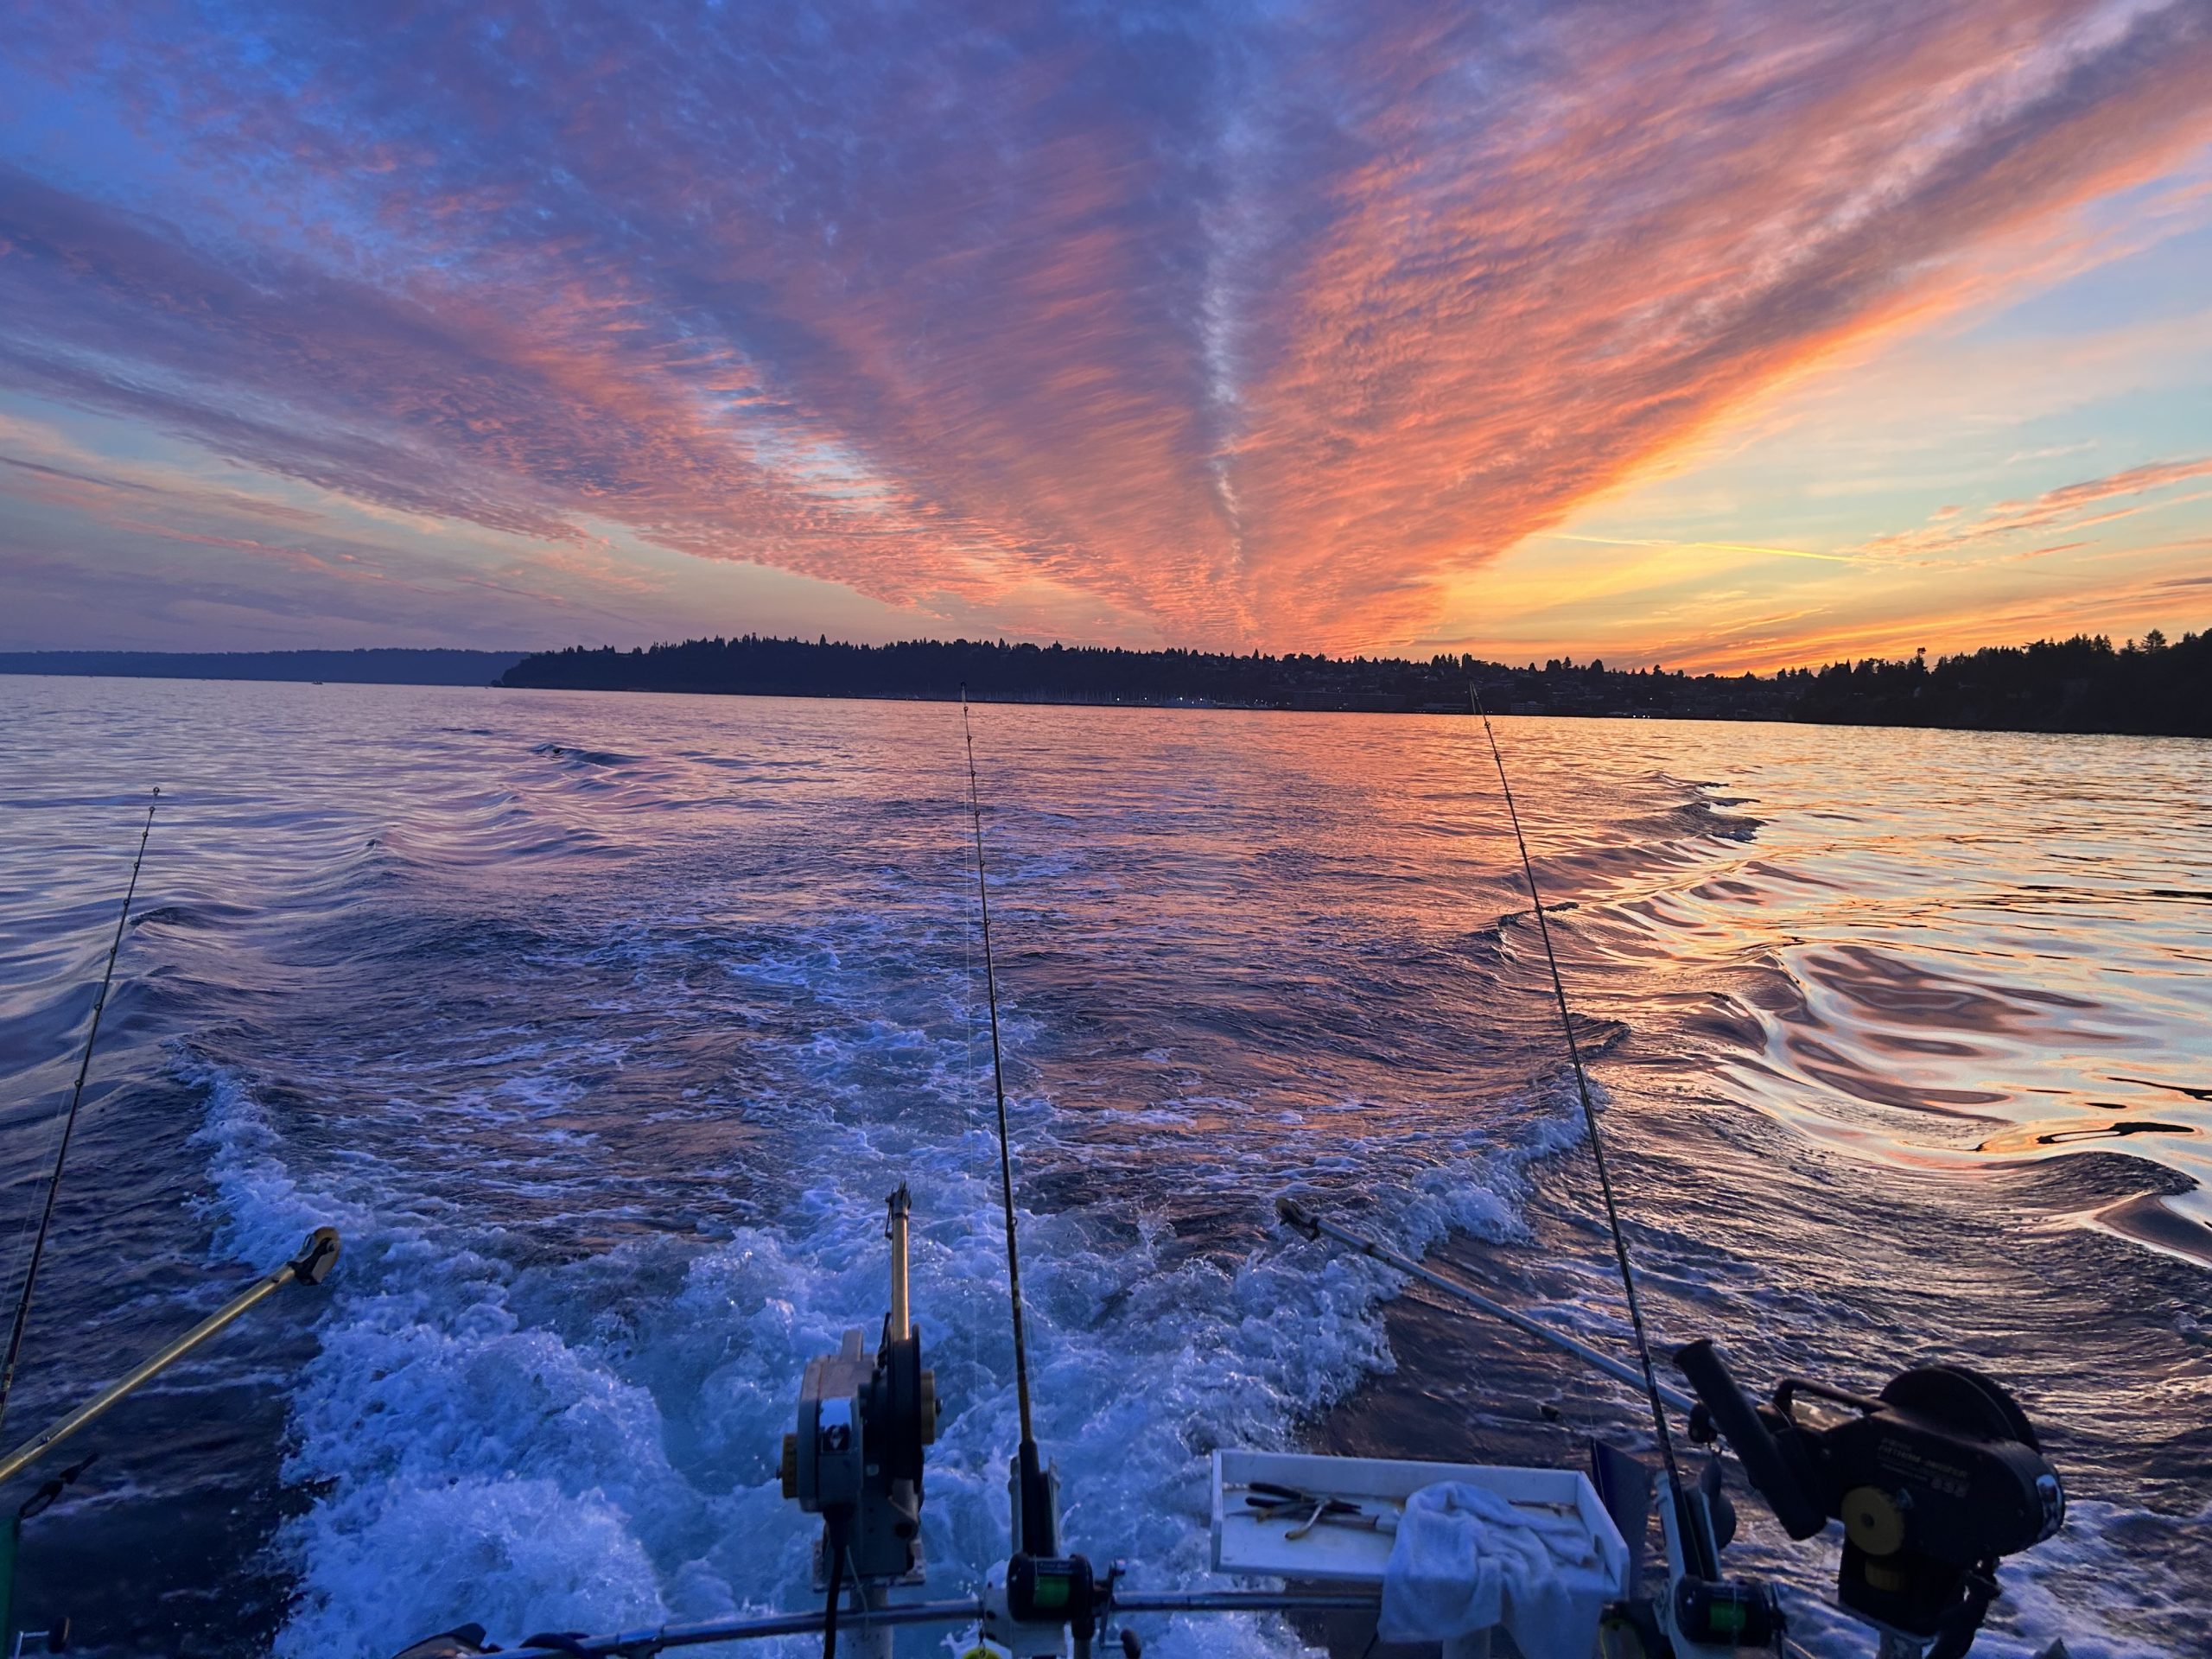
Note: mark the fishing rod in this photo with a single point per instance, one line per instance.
(1038, 1525)
(311, 1267)
(69, 1120)
(1651, 1387)
(1298, 1217)
(1936, 1480)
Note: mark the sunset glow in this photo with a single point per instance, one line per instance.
(1687, 333)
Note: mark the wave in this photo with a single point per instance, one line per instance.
(591, 1442)
(604, 1066)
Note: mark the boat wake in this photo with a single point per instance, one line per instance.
(603, 1060)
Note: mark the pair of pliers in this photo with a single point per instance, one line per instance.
(1272, 1502)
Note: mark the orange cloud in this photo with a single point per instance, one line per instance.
(1256, 329)
(1486, 344)
(2067, 504)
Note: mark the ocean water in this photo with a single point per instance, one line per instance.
(601, 1025)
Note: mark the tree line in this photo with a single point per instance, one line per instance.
(2085, 684)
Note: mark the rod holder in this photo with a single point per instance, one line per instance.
(311, 1267)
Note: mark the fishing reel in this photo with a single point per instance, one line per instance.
(1043, 1600)
(1935, 1481)
(855, 1456)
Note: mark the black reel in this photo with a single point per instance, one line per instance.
(1728, 1612)
(1934, 1481)
(1054, 1590)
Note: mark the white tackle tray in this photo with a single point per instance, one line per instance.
(1244, 1543)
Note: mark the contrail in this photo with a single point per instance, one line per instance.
(1724, 547)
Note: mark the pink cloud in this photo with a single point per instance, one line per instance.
(2068, 505)
(1259, 328)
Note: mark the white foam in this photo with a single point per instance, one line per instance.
(534, 1440)
(572, 1445)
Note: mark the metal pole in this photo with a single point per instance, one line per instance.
(1304, 1221)
(1250, 1601)
(653, 1639)
(902, 1319)
(314, 1263)
(874, 1641)
(629, 1644)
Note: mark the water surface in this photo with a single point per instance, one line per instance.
(600, 1025)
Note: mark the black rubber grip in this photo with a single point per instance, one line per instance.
(1801, 1513)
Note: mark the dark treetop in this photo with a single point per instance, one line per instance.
(2081, 684)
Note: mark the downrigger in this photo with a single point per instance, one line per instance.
(1935, 1480)
(855, 1458)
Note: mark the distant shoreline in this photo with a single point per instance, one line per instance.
(2083, 686)
(1077, 702)
(373, 666)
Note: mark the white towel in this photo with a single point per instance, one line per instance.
(1466, 1559)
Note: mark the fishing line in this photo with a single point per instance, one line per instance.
(1036, 1518)
(1589, 1117)
(69, 1120)
(968, 1017)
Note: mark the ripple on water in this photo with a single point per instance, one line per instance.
(601, 1025)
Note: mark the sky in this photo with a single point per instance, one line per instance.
(1731, 335)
